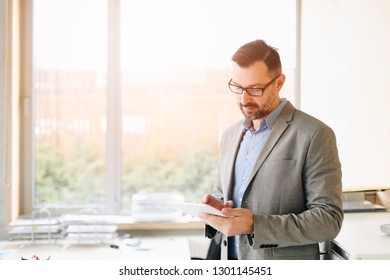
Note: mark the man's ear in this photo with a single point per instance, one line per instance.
(280, 82)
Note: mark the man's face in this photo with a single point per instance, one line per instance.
(256, 76)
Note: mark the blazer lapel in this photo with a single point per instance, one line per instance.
(279, 127)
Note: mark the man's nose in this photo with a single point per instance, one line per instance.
(245, 97)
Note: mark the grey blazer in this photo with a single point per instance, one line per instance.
(294, 190)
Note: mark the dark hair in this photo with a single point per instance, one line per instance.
(258, 50)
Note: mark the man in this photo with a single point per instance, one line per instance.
(279, 178)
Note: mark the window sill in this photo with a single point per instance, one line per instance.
(128, 223)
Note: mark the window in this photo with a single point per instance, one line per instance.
(132, 95)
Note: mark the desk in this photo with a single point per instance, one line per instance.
(161, 248)
(361, 238)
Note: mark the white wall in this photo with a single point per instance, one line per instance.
(345, 81)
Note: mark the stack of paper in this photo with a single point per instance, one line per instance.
(88, 229)
(26, 228)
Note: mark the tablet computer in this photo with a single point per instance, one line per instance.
(194, 209)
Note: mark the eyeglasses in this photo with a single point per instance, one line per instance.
(253, 91)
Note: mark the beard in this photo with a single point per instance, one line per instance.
(258, 113)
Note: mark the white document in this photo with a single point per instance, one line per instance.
(194, 209)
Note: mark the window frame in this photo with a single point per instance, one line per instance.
(113, 135)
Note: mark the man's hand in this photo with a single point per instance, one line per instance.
(237, 221)
(212, 201)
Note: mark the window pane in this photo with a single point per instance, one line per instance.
(175, 62)
(69, 87)
(175, 100)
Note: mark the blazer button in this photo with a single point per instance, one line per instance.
(224, 243)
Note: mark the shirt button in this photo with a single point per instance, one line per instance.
(243, 178)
